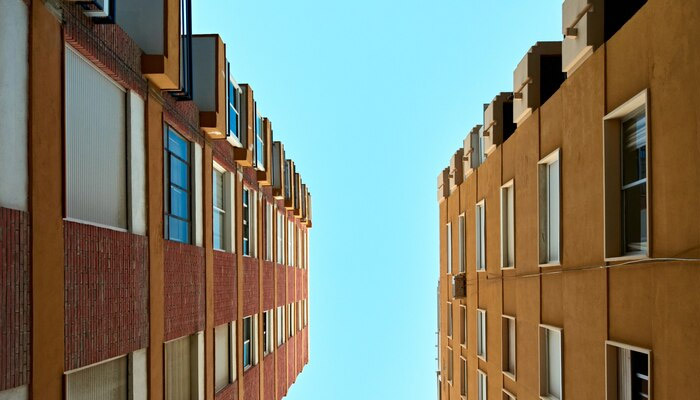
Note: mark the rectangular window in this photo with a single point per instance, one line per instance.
(95, 144)
(181, 360)
(481, 333)
(108, 380)
(449, 319)
(268, 329)
(549, 208)
(482, 388)
(481, 236)
(450, 355)
(306, 312)
(463, 325)
(449, 247)
(507, 225)
(290, 243)
(259, 142)
(177, 168)
(299, 248)
(462, 242)
(250, 341)
(219, 214)
(234, 101)
(281, 337)
(246, 222)
(550, 362)
(508, 346)
(269, 215)
(508, 395)
(222, 356)
(628, 372)
(463, 376)
(290, 314)
(280, 238)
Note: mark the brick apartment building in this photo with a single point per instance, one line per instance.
(153, 235)
(569, 230)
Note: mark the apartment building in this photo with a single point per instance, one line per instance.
(569, 236)
(154, 236)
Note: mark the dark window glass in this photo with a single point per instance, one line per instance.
(177, 196)
(634, 190)
(247, 353)
(233, 110)
(246, 223)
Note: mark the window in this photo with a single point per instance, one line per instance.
(219, 214)
(259, 143)
(299, 248)
(268, 231)
(508, 395)
(222, 356)
(507, 225)
(268, 323)
(306, 312)
(181, 363)
(250, 341)
(463, 376)
(449, 247)
(450, 354)
(178, 193)
(290, 314)
(234, 102)
(280, 238)
(626, 155)
(108, 380)
(462, 257)
(482, 388)
(549, 208)
(481, 236)
(290, 243)
(628, 372)
(481, 333)
(281, 337)
(508, 346)
(550, 362)
(246, 222)
(449, 319)
(463, 325)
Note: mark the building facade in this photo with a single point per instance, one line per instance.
(569, 240)
(153, 235)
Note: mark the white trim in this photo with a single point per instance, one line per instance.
(509, 394)
(72, 371)
(479, 329)
(639, 100)
(542, 169)
(113, 228)
(197, 193)
(480, 236)
(513, 375)
(504, 226)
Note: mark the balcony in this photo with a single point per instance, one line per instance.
(209, 70)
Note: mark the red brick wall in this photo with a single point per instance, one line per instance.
(306, 345)
(106, 293)
(305, 282)
(269, 377)
(299, 284)
(230, 392)
(15, 296)
(268, 271)
(281, 371)
(291, 375)
(299, 339)
(251, 286)
(281, 284)
(251, 383)
(184, 289)
(290, 284)
(225, 293)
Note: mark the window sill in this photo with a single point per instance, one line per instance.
(234, 141)
(508, 268)
(482, 358)
(463, 345)
(246, 369)
(551, 264)
(509, 375)
(548, 397)
(113, 228)
(628, 257)
(481, 270)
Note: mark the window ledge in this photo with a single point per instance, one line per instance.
(464, 346)
(113, 228)
(234, 141)
(552, 264)
(509, 375)
(629, 257)
(482, 358)
(508, 268)
(481, 270)
(246, 369)
(548, 397)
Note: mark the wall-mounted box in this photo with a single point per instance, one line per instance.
(210, 77)
(443, 184)
(536, 78)
(583, 29)
(277, 170)
(289, 184)
(472, 151)
(498, 121)
(265, 174)
(244, 154)
(297, 195)
(456, 169)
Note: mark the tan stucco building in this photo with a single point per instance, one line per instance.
(569, 232)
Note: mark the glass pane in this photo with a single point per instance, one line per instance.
(221, 356)
(218, 230)
(177, 145)
(554, 363)
(218, 187)
(553, 211)
(179, 230)
(511, 227)
(635, 218)
(634, 141)
(246, 353)
(233, 122)
(179, 203)
(179, 173)
(260, 150)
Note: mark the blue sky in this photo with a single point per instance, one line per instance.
(371, 98)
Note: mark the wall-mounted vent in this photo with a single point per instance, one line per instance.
(498, 121)
(536, 78)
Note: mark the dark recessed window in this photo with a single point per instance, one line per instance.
(178, 216)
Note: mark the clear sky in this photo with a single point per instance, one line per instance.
(371, 98)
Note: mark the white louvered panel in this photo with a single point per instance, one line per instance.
(95, 145)
(106, 381)
(177, 369)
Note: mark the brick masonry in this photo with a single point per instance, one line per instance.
(281, 284)
(15, 297)
(299, 283)
(291, 375)
(106, 293)
(225, 292)
(230, 392)
(269, 377)
(251, 286)
(268, 271)
(281, 371)
(184, 289)
(290, 284)
(251, 383)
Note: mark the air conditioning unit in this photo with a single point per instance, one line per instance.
(101, 10)
(498, 121)
(443, 183)
(456, 170)
(459, 286)
(471, 157)
(537, 77)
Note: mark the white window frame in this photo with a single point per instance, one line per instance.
(480, 237)
(613, 238)
(247, 214)
(449, 247)
(481, 334)
(463, 387)
(482, 385)
(291, 319)
(268, 332)
(612, 366)
(281, 327)
(505, 346)
(450, 321)
(227, 241)
(508, 395)
(462, 243)
(508, 225)
(290, 243)
(269, 239)
(463, 336)
(227, 354)
(450, 365)
(299, 254)
(280, 238)
(544, 363)
(545, 214)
